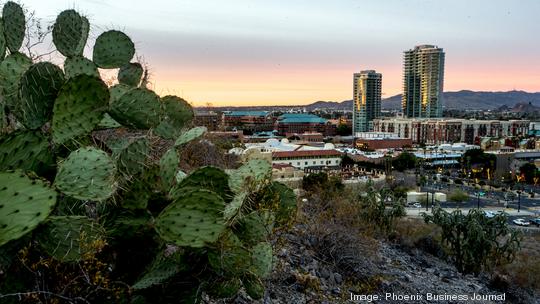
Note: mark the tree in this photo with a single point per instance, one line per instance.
(475, 241)
(528, 171)
(404, 161)
(479, 163)
(458, 196)
(343, 130)
(375, 210)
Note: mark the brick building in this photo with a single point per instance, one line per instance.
(304, 123)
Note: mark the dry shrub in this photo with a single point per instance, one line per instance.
(413, 233)
(205, 153)
(524, 271)
(337, 233)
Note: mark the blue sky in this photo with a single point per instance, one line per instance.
(294, 52)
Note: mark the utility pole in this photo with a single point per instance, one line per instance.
(519, 200)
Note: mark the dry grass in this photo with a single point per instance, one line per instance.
(525, 270)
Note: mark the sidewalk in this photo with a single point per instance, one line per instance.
(417, 212)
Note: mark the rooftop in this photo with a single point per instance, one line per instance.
(246, 113)
(300, 118)
(305, 153)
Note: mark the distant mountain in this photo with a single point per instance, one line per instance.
(516, 101)
(464, 99)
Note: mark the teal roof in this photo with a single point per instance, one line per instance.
(301, 118)
(247, 113)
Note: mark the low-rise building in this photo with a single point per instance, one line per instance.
(450, 130)
(250, 121)
(308, 158)
(209, 119)
(304, 123)
(380, 140)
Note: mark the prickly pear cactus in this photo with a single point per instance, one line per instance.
(24, 204)
(168, 164)
(138, 108)
(87, 174)
(190, 135)
(70, 32)
(176, 115)
(210, 178)
(131, 74)
(11, 70)
(14, 25)
(28, 151)
(164, 266)
(194, 219)
(78, 65)
(71, 238)
(113, 49)
(3, 45)
(38, 88)
(131, 157)
(254, 171)
(79, 107)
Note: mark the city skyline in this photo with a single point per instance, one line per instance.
(259, 53)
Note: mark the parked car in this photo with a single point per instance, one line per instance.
(489, 214)
(536, 222)
(521, 222)
(417, 205)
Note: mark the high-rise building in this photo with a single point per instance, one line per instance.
(366, 99)
(423, 75)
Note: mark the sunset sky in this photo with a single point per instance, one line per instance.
(241, 52)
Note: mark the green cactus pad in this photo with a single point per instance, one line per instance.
(254, 171)
(210, 178)
(26, 150)
(14, 25)
(176, 114)
(252, 228)
(261, 259)
(79, 107)
(254, 286)
(190, 135)
(11, 70)
(117, 91)
(168, 164)
(138, 194)
(287, 202)
(78, 65)
(3, 45)
(229, 257)
(162, 268)
(131, 159)
(71, 238)
(107, 122)
(138, 108)
(224, 287)
(38, 89)
(70, 32)
(24, 204)
(194, 219)
(87, 174)
(113, 49)
(131, 74)
(235, 206)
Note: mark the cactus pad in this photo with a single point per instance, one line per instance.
(224, 287)
(210, 178)
(138, 108)
(87, 174)
(194, 219)
(113, 49)
(117, 91)
(287, 202)
(254, 286)
(131, 74)
(78, 65)
(235, 206)
(131, 159)
(180, 175)
(11, 70)
(162, 268)
(14, 25)
(168, 164)
(70, 32)
(3, 46)
(24, 204)
(176, 114)
(190, 135)
(79, 107)
(229, 257)
(107, 122)
(254, 171)
(39, 87)
(252, 228)
(71, 238)
(26, 150)
(261, 259)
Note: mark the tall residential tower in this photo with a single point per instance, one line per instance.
(366, 99)
(423, 75)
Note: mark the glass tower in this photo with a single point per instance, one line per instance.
(366, 99)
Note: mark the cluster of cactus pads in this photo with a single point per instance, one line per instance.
(211, 226)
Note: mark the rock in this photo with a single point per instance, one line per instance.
(338, 278)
